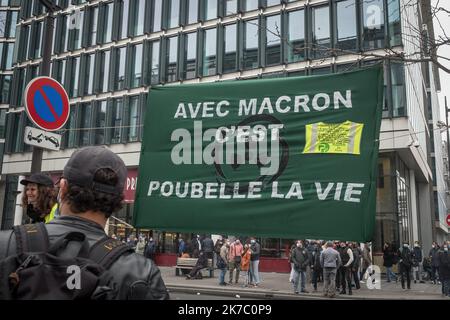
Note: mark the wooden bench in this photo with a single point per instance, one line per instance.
(189, 263)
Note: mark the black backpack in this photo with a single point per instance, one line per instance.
(66, 270)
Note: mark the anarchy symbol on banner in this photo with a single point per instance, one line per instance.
(265, 179)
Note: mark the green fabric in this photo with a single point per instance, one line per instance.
(308, 197)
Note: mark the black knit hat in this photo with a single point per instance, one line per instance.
(84, 164)
(38, 178)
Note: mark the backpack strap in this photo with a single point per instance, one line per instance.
(31, 238)
(107, 250)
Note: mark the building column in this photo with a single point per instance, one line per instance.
(18, 212)
(414, 213)
(426, 216)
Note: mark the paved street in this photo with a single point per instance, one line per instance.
(277, 286)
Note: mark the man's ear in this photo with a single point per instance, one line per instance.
(63, 189)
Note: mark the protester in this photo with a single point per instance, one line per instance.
(434, 252)
(39, 199)
(245, 264)
(417, 269)
(90, 191)
(181, 247)
(150, 250)
(444, 269)
(330, 261)
(202, 262)
(389, 259)
(254, 265)
(405, 264)
(234, 260)
(208, 247)
(347, 258)
(222, 262)
(300, 258)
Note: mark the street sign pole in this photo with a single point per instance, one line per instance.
(36, 160)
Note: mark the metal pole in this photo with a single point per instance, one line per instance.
(36, 160)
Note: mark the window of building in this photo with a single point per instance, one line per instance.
(5, 86)
(59, 70)
(138, 19)
(136, 63)
(35, 40)
(76, 31)
(154, 73)
(71, 126)
(74, 79)
(395, 36)
(93, 25)
(346, 30)
(133, 121)
(121, 54)
(272, 2)
(320, 32)
(251, 48)
(192, 12)
(3, 15)
(8, 54)
(12, 23)
(273, 40)
(210, 9)
(108, 22)
(117, 121)
(398, 89)
(296, 36)
(373, 24)
(174, 17)
(2, 123)
(125, 6)
(231, 7)
(190, 56)
(104, 70)
(89, 74)
(172, 59)
(230, 48)
(210, 52)
(100, 122)
(157, 15)
(250, 5)
(85, 124)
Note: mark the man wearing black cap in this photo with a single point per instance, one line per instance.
(39, 198)
(91, 189)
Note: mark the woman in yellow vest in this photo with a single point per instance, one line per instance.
(39, 198)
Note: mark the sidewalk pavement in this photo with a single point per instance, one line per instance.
(277, 286)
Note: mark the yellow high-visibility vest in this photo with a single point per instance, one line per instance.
(51, 215)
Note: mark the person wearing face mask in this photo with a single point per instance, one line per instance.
(222, 262)
(444, 269)
(417, 263)
(434, 262)
(405, 264)
(39, 199)
(196, 246)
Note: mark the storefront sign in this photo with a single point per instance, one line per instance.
(290, 158)
(129, 191)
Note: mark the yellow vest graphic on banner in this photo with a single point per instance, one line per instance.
(342, 137)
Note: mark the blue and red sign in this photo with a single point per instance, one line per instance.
(47, 103)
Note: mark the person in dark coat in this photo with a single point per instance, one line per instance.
(405, 264)
(150, 250)
(196, 246)
(444, 269)
(316, 267)
(389, 259)
(208, 247)
(202, 262)
(434, 262)
(300, 258)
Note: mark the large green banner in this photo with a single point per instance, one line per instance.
(290, 158)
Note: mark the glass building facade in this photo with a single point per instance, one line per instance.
(109, 54)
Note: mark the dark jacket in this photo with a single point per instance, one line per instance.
(207, 245)
(389, 257)
(405, 258)
(417, 255)
(256, 251)
(150, 250)
(316, 259)
(131, 272)
(300, 258)
(444, 265)
(434, 252)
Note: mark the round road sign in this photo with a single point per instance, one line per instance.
(47, 103)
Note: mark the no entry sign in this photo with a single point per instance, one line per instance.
(47, 103)
(448, 220)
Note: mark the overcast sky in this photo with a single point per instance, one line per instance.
(445, 52)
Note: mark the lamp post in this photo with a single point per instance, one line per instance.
(36, 160)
